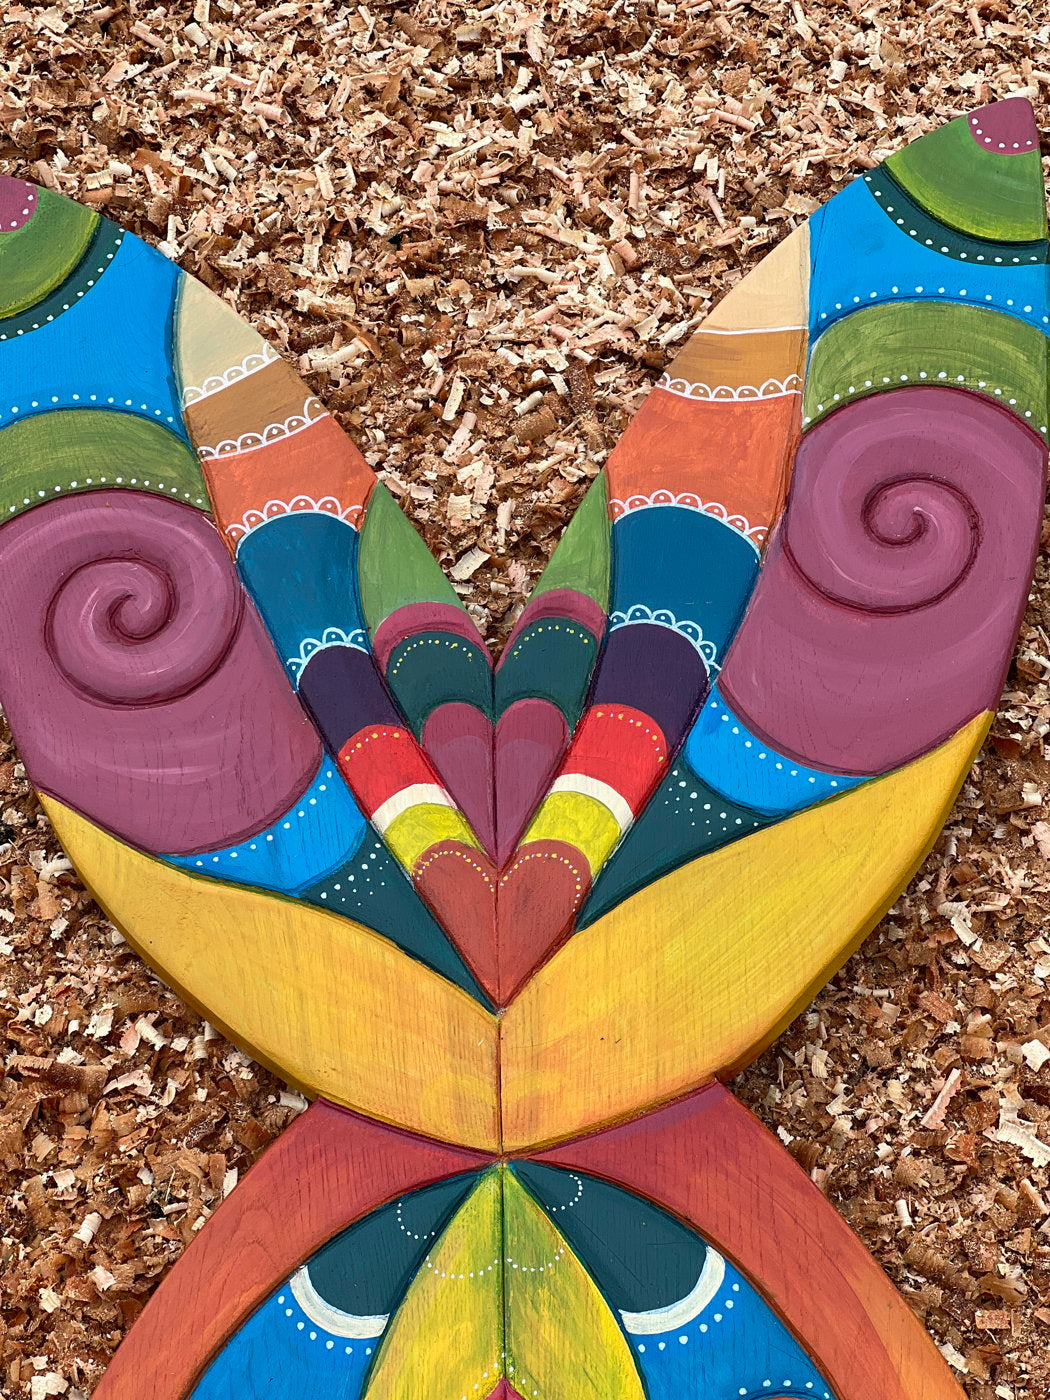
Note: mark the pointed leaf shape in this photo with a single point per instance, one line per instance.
(562, 1338)
(722, 954)
(446, 1338)
(322, 1000)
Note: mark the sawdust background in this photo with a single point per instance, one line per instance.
(480, 232)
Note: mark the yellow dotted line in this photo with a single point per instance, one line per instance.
(461, 855)
(535, 631)
(431, 642)
(545, 855)
(651, 734)
(377, 734)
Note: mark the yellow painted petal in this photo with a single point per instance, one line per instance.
(562, 1339)
(446, 1339)
(321, 1000)
(696, 974)
(582, 821)
(415, 831)
(503, 1293)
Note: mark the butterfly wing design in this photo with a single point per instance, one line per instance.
(186, 658)
(514, 922)
(868, 647)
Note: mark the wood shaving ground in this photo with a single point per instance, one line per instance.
(480, 231)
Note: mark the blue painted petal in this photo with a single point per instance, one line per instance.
(112, 349)
(315, 1337)
(282, 1354)
(301, 570)
(313, 838)
(883, 258)
(688, 567)
(733, 1348)
(724, 752)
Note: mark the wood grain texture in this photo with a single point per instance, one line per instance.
(772, 297)
(325, 1002)
(561, 1333)
(447, 1336)
(873, 632)
(710, 1162)
(696, 974)
(329, 1168)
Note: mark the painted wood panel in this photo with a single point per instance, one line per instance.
(509, 923)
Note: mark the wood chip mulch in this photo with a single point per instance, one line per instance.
(480, 232)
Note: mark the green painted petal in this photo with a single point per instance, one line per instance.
(908, 214)
(931, 342)
(559, 1325)
(581, 559)
(433, 668)
(553, 659)
(96, 262)
(991, 196)
(396, 567)
(37, 257)
(82, 449)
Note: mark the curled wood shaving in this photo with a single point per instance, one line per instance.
(479, 232)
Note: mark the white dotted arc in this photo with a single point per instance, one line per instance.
(6, 335)
(987, 140)
(882, 196)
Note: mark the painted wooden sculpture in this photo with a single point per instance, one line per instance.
(512, 926)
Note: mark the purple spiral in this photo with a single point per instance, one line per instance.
(138, 623)
(884, 545)
(140, 683)
(893, 587)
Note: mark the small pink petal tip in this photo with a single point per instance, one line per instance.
(1007, 128)
(17, 203)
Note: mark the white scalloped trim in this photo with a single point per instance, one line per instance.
(272, 510)
(662, 617)
(771, 389)
(312, 412)
(215, 383)
(330, 637)
(754, 534)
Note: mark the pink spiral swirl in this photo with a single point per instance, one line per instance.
(143, 618)
(893, 586)
(884, 545)
(138, 678)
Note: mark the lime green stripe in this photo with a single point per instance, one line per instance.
(581, 559)
(37, 257)
(80, 449)
(971, 189)
(930, 342)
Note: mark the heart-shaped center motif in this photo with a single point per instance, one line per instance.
(495, 737)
